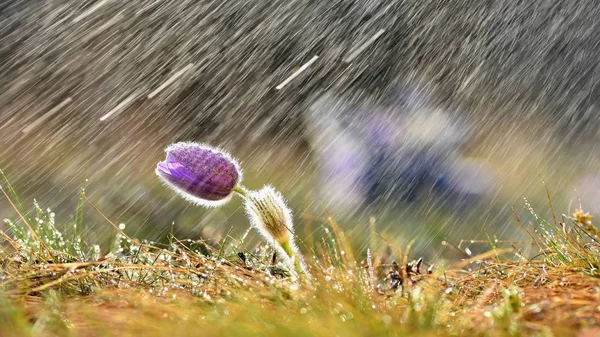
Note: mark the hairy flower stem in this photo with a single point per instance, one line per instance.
(290, 252)
(240, 190)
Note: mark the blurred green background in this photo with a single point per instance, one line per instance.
(76, 80)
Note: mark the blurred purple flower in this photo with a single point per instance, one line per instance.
(200, 173)
(399, 152)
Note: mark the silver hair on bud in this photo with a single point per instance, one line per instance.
(270, 215)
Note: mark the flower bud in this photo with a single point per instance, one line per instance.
(269, 214)
(200, 173)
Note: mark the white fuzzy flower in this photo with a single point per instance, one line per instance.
(269, 214)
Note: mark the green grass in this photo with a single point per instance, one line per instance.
(54, 283)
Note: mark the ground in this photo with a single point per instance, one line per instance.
(54, 284)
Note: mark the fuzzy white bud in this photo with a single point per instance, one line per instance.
(269, 214)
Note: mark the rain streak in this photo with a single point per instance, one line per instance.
(420, 119)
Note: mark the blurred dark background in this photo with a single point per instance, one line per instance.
(77, 83)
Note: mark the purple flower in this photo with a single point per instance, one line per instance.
(200, 173)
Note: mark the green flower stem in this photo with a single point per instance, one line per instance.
(290, 252)
(241, 190)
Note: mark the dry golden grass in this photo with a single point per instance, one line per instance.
(56, 285)
(555, 301)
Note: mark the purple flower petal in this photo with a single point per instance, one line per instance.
(197, 171)
(176, 170)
